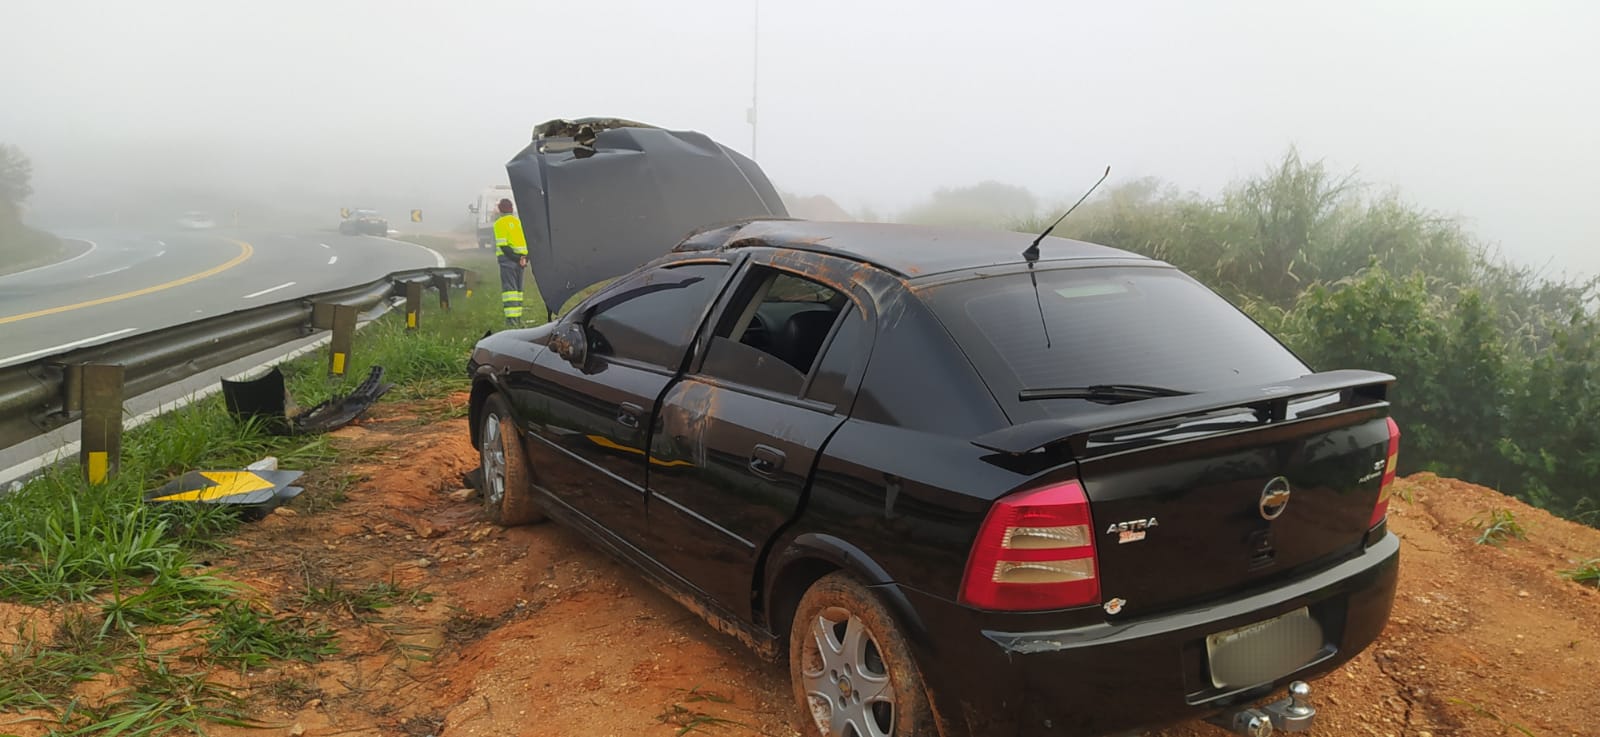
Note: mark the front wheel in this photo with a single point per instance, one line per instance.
(852, 670)
(507, 481)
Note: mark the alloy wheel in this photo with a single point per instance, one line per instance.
(845, 678)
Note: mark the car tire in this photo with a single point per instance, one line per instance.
(507, 492)
(851, 668)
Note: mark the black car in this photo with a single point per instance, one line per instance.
(364, 222)
(961, 491)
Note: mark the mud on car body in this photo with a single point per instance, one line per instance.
(956, 502)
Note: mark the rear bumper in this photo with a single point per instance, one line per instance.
(990, 676)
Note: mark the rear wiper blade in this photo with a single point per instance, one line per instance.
(1104, 393)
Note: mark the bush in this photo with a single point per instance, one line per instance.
(1498, 365)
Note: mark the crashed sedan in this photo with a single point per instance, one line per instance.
(959, 490)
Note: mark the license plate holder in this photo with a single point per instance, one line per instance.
(1263, 651)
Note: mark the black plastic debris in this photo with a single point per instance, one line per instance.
(265, 400)
(254, 493)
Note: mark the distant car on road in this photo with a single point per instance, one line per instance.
(196, 220)
(364, 222)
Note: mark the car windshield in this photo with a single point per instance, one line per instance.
(1139, 326)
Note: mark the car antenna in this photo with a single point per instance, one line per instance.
(1031, 253)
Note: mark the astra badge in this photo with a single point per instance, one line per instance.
(1131, 531)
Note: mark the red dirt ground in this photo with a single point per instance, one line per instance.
(531, 632)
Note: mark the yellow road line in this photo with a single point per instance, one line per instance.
(244, 254)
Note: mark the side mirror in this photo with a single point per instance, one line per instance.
(472, 209)
(571, 343)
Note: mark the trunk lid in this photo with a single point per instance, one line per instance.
(1181, 522)
(1206, 495)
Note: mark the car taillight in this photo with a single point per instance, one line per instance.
(1381, 510)
(1035, 551)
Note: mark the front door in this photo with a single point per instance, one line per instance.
(739, 434)
(590, 424)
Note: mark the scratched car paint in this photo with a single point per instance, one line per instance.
(957, 490)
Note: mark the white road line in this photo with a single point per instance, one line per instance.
(92, 246)
(163, 244)
(107, 273)
(438, 260)
(333, 260)
(324, 245)
(61, 348)
(160, 253)
(284, 285)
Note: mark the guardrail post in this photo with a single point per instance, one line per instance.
(322, 316)
(344, 332)
(413, 305)
(101, 399)
(441, 284)
(470, 278)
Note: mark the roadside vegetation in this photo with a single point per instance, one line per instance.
(21, 247)
(95, 584)
(1497, 362)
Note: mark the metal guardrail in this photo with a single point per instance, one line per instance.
(41, 395)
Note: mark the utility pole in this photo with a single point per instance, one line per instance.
(755, 75)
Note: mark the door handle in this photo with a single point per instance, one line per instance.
(766, 461)
(628, 415)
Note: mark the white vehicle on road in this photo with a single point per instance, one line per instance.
(484, 212)
(196, 220)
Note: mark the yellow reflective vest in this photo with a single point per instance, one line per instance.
(508, 236)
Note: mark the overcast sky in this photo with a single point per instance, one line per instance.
(1482, 110)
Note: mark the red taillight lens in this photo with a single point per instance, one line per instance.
(1381, 510)
(1035, 551)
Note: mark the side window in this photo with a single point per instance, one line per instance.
(773, 329)
(653, 317)
(828, 386)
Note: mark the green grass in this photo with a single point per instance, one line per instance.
(32, 674)
(242, 634)
(1499, 526)
(690, 718)
(162, 701)
(369, 599)
(124, 570)
(425, 364)
(1586, 573)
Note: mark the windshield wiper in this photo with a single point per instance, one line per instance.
(1103, 393)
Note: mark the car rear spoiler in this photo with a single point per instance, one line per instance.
(1269, 401)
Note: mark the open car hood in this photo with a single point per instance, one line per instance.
(600, 196)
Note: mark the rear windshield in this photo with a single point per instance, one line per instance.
(1126, 325)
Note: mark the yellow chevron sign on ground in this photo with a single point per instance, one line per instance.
(227, 487)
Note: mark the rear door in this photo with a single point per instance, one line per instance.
(591, 422)
(740, 433)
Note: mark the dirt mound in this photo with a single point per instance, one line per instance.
(530, 631)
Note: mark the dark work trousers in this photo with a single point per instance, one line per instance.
(511, 288)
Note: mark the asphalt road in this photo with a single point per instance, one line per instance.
(125, 284)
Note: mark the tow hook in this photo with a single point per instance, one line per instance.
(1292, 714)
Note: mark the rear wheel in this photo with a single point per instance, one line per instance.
(852, 670)
(507, 488)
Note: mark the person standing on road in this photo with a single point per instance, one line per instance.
(513, 250)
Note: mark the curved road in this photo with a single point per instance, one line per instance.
(127, 284)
